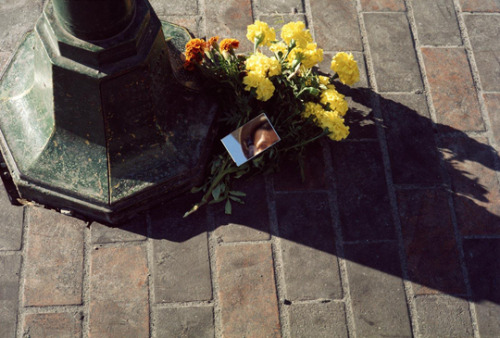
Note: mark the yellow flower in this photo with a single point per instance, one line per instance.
(335, 124)
(262, 32)
(263, 65)
(327, 119)
(264, 86)
(346, 67)
(296, 31)
(323, 80)
(309, 56)
(336, 100)
(279, 47)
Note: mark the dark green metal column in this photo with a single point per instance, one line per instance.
(94, 20)
(96, 116)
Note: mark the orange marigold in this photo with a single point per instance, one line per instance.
(228, 44)
(195, 50)
(211, 42)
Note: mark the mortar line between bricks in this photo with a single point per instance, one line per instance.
(339, 247)
(176, 305)
(419, 187)
(22, 273)
(279, 273)
(118, 244)
(87, 249)
(212, 245)
(28, 310)
(240, 243)
(444, 174)
(371, 241)
(481, 237)
(317, 301)
(408, 289)
(477, 83)
(151, 282)
(309, 17)
(6, 253)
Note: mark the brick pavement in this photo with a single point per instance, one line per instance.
(396, 231)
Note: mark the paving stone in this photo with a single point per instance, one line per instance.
(393, 54)
(452, 89)
(483, 264)
(339, 17)
(181, 260)
(249, 221)
(54, 259)
(279, 6)
(17, 18)
(119, 304)
(443, 316)
(493, 106)
(410, 138)
(425, 220)
(11, 223)
(185, 322)
(363, 200)
(290, 179)
(164, 8)
(383, 5)
(483, 33)
(308, 246)
(133, 230)
(437, 23)
(480, 5)
(230, 19)
(318, 320)
(10, 267)
(61, 325)
(247, 293)
(471, 164)
(376, 288)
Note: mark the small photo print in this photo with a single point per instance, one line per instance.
(251, 139)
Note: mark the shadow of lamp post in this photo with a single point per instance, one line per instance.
(97, 114)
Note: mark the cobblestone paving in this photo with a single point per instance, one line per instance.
(395, 232)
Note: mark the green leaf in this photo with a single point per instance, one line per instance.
(237, 199)
(228, 209)
(217, 190)
(237, 193)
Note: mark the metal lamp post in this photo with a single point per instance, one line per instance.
(96, 113)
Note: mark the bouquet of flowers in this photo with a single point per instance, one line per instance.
(278, 79)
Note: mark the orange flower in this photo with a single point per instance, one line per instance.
(211, 42)
(195, 50)
(228, 44)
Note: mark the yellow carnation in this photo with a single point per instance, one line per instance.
(327, 119)
(309, 56)
(323, 80)
(279, 47)
(296, 31)
(336, 100)
(264, 87)
(335, 124)
(346, 67)
(263, 65)
(262, 32)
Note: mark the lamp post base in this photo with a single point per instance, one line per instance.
(104, 129)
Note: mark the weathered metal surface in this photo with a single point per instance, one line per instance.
(103, 129)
